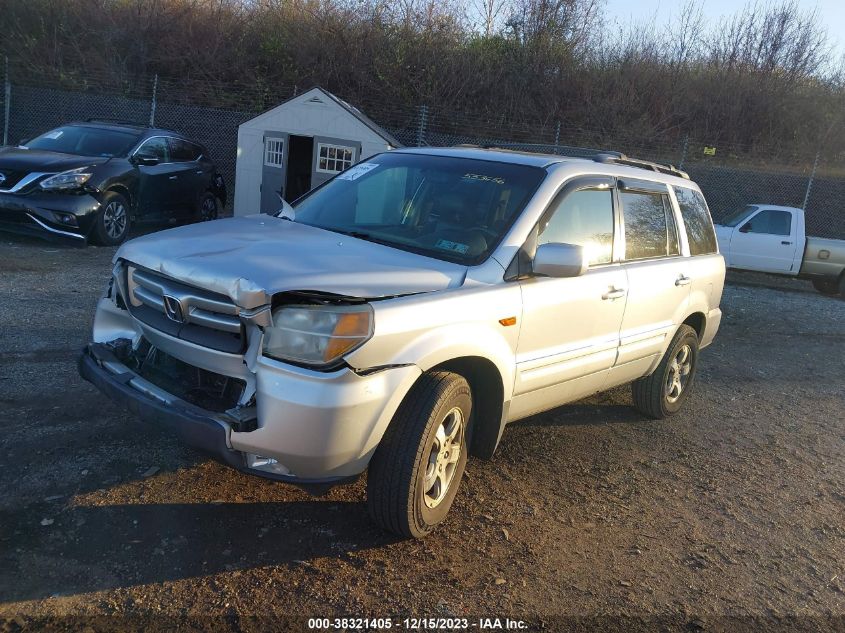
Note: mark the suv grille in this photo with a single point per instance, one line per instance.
(191, 314)
(11, 178)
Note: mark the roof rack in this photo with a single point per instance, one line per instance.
(619, 158)
(116, 122)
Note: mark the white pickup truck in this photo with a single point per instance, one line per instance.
(772, 239)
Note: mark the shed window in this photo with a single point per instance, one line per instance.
(333, 159)
(274, 152)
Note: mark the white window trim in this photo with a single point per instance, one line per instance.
(278, 145)
(320, 147)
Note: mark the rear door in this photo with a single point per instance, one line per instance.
(332, 156)
(274, 171)
(765, 241)
(188, 177)
(657, 275)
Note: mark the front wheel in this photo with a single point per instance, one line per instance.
(663, 392)
(416, 470)
(112, 225)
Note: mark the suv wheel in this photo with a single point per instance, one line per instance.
(207, 208)
(663, 392)
(113, 221)
(417, 468)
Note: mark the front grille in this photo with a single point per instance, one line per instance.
(11, 178)
(192, 314)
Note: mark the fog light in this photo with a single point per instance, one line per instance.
(65, 218)
(266, 464)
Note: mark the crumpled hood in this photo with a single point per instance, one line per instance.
(251, 258)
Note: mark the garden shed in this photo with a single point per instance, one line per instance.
(298, 145)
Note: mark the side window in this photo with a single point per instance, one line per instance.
(584, 217)
(648, 232)
(183, 151)
(770, 222)
(700, 234)
(156, 147)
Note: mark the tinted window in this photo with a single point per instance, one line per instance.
(156, 147)
(183, 151)
(646, 233)
(771, 222)
(455, 209)
(702, 239)
(585, 218)
(85, 141)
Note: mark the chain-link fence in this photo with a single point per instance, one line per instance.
(211, 112)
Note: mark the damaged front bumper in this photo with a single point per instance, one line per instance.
(311, 429)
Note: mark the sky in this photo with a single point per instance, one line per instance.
(832, 13)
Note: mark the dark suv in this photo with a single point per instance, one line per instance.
(94, 179)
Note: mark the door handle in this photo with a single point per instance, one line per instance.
(785, 243)
(683, 280)
(199, 171)
(615, 293)
(172, 177)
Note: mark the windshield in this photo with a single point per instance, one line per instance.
(85, 141)
(732, 219)
(455, 209)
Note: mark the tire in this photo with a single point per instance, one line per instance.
(414, 474)
(842, 285)
(113, 221)
(827, 287)
(663, 392)
(208, 208)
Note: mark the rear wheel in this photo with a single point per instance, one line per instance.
(416, 470)
(207, 209)
(663, 392)
(112, 225)
(827, 287)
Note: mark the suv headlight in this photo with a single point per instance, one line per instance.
(71, 179)
(317, 334)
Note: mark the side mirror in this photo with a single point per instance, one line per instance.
(745, 228)
(286, 212)
(145, 160)
(560, 260)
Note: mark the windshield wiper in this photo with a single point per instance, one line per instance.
(363, 235)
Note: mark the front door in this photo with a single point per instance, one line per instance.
(332, 156)
(156, 183)
(765, 242)
(570, 327)
(273, 171)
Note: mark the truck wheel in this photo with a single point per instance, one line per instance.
(415, 472)
(826, 286)
(663, 392)
(112, 225)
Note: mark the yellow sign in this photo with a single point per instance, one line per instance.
(709, 151)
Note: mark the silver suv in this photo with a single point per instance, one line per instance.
(399, 316)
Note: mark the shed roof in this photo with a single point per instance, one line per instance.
(363, 118)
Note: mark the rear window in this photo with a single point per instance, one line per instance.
(649, 229)
(184, 151)
(700, 234)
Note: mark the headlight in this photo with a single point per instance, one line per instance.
(317, 334)
(71, 179)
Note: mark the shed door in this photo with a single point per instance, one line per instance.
(274, 170)
(332, 156)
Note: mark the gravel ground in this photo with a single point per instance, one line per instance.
(729, 515)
